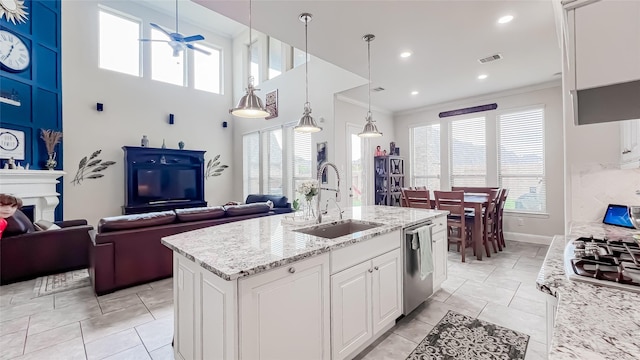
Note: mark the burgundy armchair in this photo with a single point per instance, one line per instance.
(26, 253)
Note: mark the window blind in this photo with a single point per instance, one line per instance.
(251, 163)
(300, 160)
(468, 151)
(521, 159)
(273, 164)
(425, 156)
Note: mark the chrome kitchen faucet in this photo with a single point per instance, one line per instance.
(320, 188)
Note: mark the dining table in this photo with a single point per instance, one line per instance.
(477, 202)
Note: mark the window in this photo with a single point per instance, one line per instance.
(468, 152)
(276, 63)
(165, 66)
(251, 163)
(299, 58)
(300, 160)
(272, 158)
(521, 159)
(207, 69)
(254, 62)
(425, 170)
(119, 44)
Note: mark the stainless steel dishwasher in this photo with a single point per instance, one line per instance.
(415, 290)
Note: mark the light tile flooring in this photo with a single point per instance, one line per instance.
(137, 323)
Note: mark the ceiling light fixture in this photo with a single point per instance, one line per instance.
(414, 93)
(405, 54)
(370, 128)
(505, 19)
(306, 124)
(250, 105)
(482, 76)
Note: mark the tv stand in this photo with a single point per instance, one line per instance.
(164, 163)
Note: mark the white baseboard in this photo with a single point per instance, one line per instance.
(528, 238)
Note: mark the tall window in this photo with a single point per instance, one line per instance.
(299, 58)
(254, 62)
(207, 69)
(468, 152)
(119, 44)
(165, 66)
(425, 169)
(300, 159)
(521, 159)
(272, 158)
(276, 60)
(251, 163)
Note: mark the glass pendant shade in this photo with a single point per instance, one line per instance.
(307, 124)
(370, 129)
(250, 106)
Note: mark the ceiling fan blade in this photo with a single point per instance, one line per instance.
(193, 38)
(160, 28)
(198, 49)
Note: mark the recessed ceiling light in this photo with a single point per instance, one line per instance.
(405, 54)
(414, 93)
(505, 19)
(482, 76)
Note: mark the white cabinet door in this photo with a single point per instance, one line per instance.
(630, 142)
(185, 309)
(350, 309)
(439, 251)
(386, 289)
(607, 43)
(284, 313)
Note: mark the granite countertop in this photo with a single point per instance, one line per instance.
(247, 247)
(592, 322)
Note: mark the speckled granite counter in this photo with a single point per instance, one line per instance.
(248, 247)
(592, 322)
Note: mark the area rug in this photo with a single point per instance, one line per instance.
(51, 284)
(460, 337)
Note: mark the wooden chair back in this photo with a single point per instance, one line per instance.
(403, 197)
(451, 201)
(417, 199)
(474, 190)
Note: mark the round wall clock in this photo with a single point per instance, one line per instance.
(14, 53)
(13, 10)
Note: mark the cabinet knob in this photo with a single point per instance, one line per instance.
(626, 151)
(370, 270)
(376, 268)
(292, 270)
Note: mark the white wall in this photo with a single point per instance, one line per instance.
(522, 226)
(133, 106)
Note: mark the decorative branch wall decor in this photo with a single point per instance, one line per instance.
(91, 168)
(214, 168)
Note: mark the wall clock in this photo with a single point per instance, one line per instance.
(14, 53)
(13, 10)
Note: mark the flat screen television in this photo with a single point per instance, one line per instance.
(165, 185)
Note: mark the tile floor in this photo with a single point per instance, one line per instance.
(137, 323)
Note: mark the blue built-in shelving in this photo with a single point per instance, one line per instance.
(38, 88)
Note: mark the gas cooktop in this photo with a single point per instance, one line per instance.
(614, 263)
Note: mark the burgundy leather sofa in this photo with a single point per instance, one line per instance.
(126, 250)
(26, 253)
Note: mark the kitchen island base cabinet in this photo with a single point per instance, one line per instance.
(366, 299)
(279, 314)
(440, 249)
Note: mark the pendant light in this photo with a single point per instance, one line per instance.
(306, 124)
(370, 129)
(250, 105)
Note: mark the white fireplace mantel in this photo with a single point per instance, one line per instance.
(34, 187)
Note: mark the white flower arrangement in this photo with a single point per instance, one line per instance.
(308, 189)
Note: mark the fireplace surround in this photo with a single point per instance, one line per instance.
(36, 188)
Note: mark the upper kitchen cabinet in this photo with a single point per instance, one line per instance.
(606, 36)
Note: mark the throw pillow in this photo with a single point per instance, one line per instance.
(45, 225)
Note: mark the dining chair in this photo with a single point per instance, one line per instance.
(453, 202)
(490, 222)
(403, 197)
(417, 199)
(474, 189)
(502, 199)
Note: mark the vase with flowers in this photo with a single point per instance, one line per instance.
(51, 138)
(309, 189)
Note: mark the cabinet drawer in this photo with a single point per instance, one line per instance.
(365, 250)
(439, 224)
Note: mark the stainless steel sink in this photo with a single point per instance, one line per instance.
(339, 228)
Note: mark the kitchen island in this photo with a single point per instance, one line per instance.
(588, 321)
(260, 289)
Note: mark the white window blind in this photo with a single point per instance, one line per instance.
(119, 44)
(276, 60)
(272, 160)
(164, 66)
(255, 69)
(468, 151)
(207, 69)
(521, 159)
(251, 163)
(425, 156)
(300, 160)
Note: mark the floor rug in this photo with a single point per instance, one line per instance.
(460, 337)
(51, 284)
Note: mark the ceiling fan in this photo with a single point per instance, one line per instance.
(177, 41)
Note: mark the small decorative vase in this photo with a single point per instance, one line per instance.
(181, 145)
(51, 161)
(164, 146)
(309, 212)
(144, 142)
